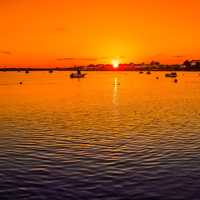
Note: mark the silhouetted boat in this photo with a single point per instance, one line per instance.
(148, 72)
(171, 75)
(27, 71)
(76, 75)
(50, 71)
(141, 72)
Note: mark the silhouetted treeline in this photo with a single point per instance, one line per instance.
(188, 65)
(16, 69)
(193, 65)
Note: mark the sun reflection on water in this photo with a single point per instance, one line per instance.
(115, 91)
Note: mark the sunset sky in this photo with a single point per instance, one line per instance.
(64, 32)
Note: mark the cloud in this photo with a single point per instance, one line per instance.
(91, 59)
(77, 59)
(61, 29)
(6, 52)
(178, 56)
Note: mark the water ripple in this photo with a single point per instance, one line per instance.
(72, 144)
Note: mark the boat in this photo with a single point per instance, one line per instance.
(76, 75)
(141, 72)
(171, 75)
(148, 72)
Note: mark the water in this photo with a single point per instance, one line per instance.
(110, 136)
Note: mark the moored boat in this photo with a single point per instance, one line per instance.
(171, 75)
(76, 75)
(148, 72)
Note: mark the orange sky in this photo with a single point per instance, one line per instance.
(64, 32)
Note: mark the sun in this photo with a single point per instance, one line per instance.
(115, 63)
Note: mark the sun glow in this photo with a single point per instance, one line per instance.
(115, 63)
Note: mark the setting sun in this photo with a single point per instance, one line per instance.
(115, 63)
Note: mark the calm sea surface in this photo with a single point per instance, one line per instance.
(110, 136)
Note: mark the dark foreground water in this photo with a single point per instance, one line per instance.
(110, 136)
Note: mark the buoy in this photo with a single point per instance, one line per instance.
(175, 80)
(20, 83)
(157, 77)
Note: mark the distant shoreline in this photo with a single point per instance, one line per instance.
(34, 69)
(51, 70)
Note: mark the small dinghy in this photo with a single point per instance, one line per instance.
(171, 75)
(148, 72)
